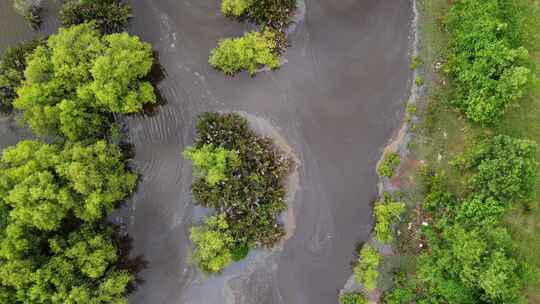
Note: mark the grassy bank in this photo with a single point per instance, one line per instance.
(443, 133)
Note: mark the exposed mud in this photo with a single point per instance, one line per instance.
(336, 101)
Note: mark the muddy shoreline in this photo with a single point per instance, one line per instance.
(336, 101)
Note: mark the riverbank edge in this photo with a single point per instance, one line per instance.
(398, 143)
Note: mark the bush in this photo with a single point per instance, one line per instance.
(503, 167)
(111, 16)
(389, 164)
(248, 52)
(12, 68)
(403, 291)
(489, 68)
(213, 243)
(235, 8)
(251, 193)
(386, 212)
(352, 298)
(75, 83)
(275, 14)
(213, 164)
(366, 272)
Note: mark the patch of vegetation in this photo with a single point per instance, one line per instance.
(387, 212)
(389, 164)
(257, 48)
(352, 298)
(235, 8)
(12, 68)
(31, 11)
(487, 61)
(211, 163)
(55, 246)
(404, 290)
(79, 79)
(366, 271)
(213, 243)
(110, 16)
(249, 193)
(249, 52)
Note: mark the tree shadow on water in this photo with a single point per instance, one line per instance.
(155, 77)
(132, 264)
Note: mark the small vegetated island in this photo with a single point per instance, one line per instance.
(56, 244)
(256, 48)
(241, 176)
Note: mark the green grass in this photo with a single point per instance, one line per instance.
(443, 133)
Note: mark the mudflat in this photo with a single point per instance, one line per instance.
(336, 101)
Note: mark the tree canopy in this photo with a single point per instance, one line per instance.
(75, 82)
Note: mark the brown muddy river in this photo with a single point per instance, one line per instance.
(336, 101)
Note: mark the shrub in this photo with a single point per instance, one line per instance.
(252, 194)
(403, 290)
(248, 52)
(352, 298)
(75, 83)
(386, 212)
(235, 7)
(213, 164)
(12, 68)
(213, 243)
(111, 16)
(275, 14)
(489, 69)
(389, 164)
(366, 272)
(503, 167)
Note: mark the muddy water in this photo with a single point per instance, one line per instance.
(336, 102)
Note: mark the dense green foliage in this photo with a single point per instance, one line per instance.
(12, 66)
(366, 271)
(352, 298)
(54, 246)
(470, 256)
(389, 164)
(75, 83)
(387, 212)
(503, 167)
(235, 7)
(403, 291)
(251, 195)
(213, 164)
(248, 52)
(43, 184)
(111, 16)
(486, 60)
(213, 243)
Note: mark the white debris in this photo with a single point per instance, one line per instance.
(425, 224)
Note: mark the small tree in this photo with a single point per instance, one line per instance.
(212, 163)
(386, 212)
(366, 272)
(213, 244)
(248, 52)
(235, 8)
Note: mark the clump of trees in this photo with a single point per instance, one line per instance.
(240, 175)
(80, 79)
(12, 66)
(256, 48)
(470, 257)
(366, 271)
(389, 164)
(489, 66)
(54, 244)
(110, 16)
(248, 52)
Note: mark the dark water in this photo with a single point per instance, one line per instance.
(337, 101)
